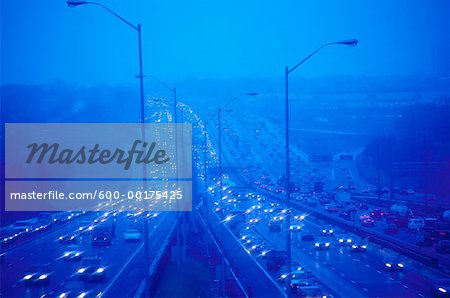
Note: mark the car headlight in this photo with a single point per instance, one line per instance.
(27, 277)
(61, 238)
(442, 290)
(82, 295)
(43, 276)
(324, 231)
(363, 246)
(283, 275)
(100, 270)
(349, 240)
(327, 244)
(77, 254)
(317, 244)
(331, 231)
(66, 254)
(354, 246)
(81, 270)
(72, 237)
(400, 265)
(388, 265)
(62, 295)
(341, 240)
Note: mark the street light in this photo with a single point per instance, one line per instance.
(141, 80)
(348, 42)
(172, 89)
(219, 111)
(135, 27)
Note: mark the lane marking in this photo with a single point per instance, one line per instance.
(367, 265)
(353, 282)
(405, 286)
(365, 290)
(379, 272)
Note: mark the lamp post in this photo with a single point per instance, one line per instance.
(219, 112)
(172, 89)
(141, 81)
(287, 71)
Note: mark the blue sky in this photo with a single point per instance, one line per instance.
(46, 41)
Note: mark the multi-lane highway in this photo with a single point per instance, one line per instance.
(252, 209)
(120, 259)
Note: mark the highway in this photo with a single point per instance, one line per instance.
(118, 259)
(252, 187)
(348, 274)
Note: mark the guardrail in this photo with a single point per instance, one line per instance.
(253, 278)
(406, 249)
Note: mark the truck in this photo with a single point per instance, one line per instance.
(23, 226)
(399, 215)
(44, 220)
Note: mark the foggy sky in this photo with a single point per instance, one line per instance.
(46, 41)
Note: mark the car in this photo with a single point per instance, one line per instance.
(266, 249)
(321, 244)
(443, 247)
(308, 237)
(344, 239)
(327, 230)
(393, 265)
(391, 229)
(67, 239)
(295, 228)
(274, 226)
(312, 203)
(91, 269)
(74, 254)
(299, 278)
(441, 287)
(332, 208)
(132, 235)
(101, 236)
(358, 247)
(295, 265)
(256, 247)
(309, 291)
(253, 221)
(367, 222)
(37, 275)
(276, 259)
(298, 217)
(345, 215)
(363, 207)
(377, 214)
(71, 289)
